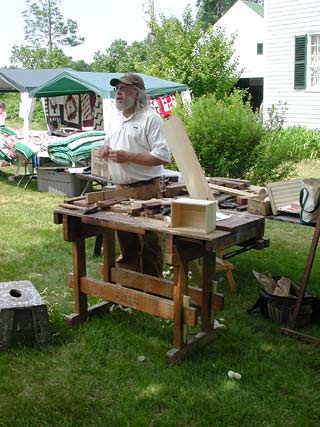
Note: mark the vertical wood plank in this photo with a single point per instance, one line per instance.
(208, 272)
(79, 270)
(109, 254)
(186, 159)
(186, 303)
(179, 291)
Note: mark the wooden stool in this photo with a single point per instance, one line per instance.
(23, 315)
(224, 265)
(221, 265)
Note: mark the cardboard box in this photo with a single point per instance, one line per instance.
(194, 215)
(259, 205)
(99, 166)
(52, 181)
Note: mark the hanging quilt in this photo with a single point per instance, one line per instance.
(87, 108)
(98, 123)
(71, 111)
(163, 104)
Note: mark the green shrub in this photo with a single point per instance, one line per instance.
(273, 160)
(230, 140)
(304, 143)
(281, 150)
(12, 101)
(224, 133)
(38, 116)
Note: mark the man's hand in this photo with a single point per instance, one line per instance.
(104, 151)
(120, 156)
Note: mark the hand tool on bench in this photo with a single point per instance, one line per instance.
(71, 200)
(84, 210)
(106, 204)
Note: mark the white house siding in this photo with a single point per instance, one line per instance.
(248, 26)
(284, 20)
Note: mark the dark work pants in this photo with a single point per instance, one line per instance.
(142, 253)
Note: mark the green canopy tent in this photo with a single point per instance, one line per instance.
(24, 81)
(76, 82)
(81, 82)
(17, 80)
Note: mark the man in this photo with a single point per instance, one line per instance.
(3, 114)
(53, 129)
(136, 150)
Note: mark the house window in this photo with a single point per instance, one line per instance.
(314, 63)
(307, 62)
(300, 61)
(259, 48)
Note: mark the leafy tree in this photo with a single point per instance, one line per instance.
(115, 59)
(26, 57)
(121, 57)
(45, 33)
(181, 51)
(209, 11)
(80, 65)
(30, 58)
(44, 26)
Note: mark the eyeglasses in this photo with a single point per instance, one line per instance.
(121, 89)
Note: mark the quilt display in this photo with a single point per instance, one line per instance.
(163, 104)
(7, 152)
(14, 145)
(71, 110)
(30, 145)
(75, 149)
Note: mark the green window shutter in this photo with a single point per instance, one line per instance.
(259, 48)
(300, 62)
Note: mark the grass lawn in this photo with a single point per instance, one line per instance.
(308, 169)
(91, 376)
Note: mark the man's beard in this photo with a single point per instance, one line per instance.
(125, 104)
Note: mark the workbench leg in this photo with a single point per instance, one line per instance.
(79, 270)
(109, 254)
(97, 246)
(184, 348)
(208, 271)
(179, 291)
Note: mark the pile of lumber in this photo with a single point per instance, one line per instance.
(230, 194)
(238, 194)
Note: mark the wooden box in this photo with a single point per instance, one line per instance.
(195, 215)
(259, 205)
(99, 166)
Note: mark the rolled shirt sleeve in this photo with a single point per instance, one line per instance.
(156, 139)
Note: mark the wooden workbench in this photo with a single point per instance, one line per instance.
(174, 300)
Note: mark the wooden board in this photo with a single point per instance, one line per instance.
(173, 190)
(139, 192)
(158, 286)
(186, 159)
(137, 300)
(132, 192)
(226, 182)
(232, 191)
(99, 166)
(283, 193)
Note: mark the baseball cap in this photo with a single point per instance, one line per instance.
(129, 79)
